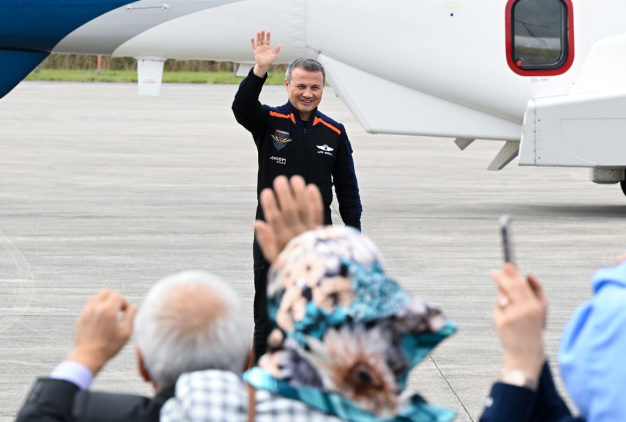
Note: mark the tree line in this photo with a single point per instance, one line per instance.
(77, 62)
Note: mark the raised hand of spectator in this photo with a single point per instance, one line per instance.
(100, 334)
(291, 209)
(520, 317)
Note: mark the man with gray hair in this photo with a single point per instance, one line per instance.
(294, 139)
(187, 322)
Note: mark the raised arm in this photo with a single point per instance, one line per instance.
(525, 391)
(100, 335)
(248, 111)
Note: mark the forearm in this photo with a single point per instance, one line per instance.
(260, 71)
(549, 406)
(510, 403)
(74, 372)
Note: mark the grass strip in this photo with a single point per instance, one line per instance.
(131, 76)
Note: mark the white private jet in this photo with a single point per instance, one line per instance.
(546, 76)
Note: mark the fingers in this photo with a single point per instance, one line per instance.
(498, 310)
(115, 302)
(128, 320)
(315, 206)
(253, 43)
(299, 190)
(290, 209)
(266, 240)
(268, 203)
(535, 285)
(267, 39)
(286, 201)
(511, 283)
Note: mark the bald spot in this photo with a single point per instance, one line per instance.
(192, 307)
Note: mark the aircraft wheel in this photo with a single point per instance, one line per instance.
(623, 186)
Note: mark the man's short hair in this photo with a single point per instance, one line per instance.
(310, 65)
(192, 321)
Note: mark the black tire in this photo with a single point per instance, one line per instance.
(623, 186)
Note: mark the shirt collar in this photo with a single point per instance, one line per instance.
(296, 113)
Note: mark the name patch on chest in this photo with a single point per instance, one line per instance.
(279, 160)
(280, 139)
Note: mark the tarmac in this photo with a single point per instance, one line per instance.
(100, 188)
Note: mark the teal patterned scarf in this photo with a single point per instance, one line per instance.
(346, 335)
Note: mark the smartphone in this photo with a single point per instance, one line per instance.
(507, 242)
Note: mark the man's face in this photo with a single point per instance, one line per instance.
(305, 90)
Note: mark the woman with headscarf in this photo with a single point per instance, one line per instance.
(345, 334)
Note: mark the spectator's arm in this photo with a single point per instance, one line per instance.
(346, 186)
(100, 335)
(549, 406)
(74, 372)
(50, 400)
(509, 403)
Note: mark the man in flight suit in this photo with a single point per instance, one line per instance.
(295, 138)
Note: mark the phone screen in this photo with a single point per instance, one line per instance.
(507, 242)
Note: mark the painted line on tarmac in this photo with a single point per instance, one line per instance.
(24, 279)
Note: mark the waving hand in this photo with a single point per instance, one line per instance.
(263, 54)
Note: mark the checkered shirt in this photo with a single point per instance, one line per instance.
(221, 396)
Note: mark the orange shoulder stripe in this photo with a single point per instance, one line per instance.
(283, 116)
(318, 120)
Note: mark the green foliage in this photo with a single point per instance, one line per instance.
(131, 76)
(74, 62)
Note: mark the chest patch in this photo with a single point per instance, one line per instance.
(280, 139)
(325, 149)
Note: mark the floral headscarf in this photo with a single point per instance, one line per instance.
(346, 335)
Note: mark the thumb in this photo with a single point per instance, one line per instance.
(266, 239)
(535, 284)
(277, 49)
(126, 324)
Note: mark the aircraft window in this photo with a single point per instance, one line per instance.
(540, 34)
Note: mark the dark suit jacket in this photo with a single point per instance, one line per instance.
(508, 403)
(52, 400)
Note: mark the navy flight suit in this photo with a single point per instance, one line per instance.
(318, 150)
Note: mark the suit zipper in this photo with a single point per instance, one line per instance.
(303, 149)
